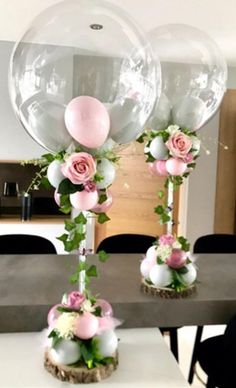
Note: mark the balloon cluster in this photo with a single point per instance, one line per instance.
(169, 264)
(172, 151)
(78, 325)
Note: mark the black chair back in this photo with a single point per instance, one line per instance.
(25, 244)
(215, 243)
(126, 243)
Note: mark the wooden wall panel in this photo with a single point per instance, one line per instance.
(135, 196)
(226, 178)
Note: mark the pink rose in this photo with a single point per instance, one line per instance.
(79, 168)
(179, 144)
(188, 158)
(177, 259)
(166, 239)
(75, 299)
(90, 186)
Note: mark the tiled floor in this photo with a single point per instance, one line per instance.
(186, 336)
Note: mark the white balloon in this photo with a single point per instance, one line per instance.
(66, 352)
(161, 114)
(124, 117)
(189, 112)
(160, 275)
(191, 275)
(158, 148)
(145, 267)
(151, 253)
(108, 171)
(107, 344)
(54, 173)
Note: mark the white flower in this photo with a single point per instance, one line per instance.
(164, 251)
(65, 325)
(87, 306)
(176, 245)
(172, 128)
(196, 143)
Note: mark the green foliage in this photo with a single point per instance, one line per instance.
(103, 256)
(102, 217)
(184, 243)
(67, 187)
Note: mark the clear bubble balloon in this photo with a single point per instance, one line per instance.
(194, 75)
(83, 48)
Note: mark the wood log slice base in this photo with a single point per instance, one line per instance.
(167, 293)
(79, 374)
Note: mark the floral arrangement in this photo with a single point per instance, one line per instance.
(171, 152)
(168, 263)
(81, 331)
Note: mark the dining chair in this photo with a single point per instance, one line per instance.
(210, 243)
(216, 356)
(25, 244)
(137, 243)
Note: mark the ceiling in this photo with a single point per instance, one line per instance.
(215, 17)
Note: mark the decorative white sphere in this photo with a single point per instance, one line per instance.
(107, 343)
(158, 148)
(160, 275)
(191, 275)
(151, 254)
(66, 352)
(54, 173)
(108, 171)
(145, 267)
(188, 112)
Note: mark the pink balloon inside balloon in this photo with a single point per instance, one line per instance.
(160, 166)
(84, 200)
(86, 325)
(53, 314)
(175, 166)
(87, 120)
(105, 206)
(105, 306)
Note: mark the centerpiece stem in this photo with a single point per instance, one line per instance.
(82, 259)
(170, 203)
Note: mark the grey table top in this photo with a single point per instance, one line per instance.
(29, 285)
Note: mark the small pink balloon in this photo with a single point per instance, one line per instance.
(107, 323)
(57, 197)
(53, 314)
(145, 267)
(152, 168)
(86, 325)
(84, 200)
(87, 120)
(105, 206)
(160, 166)
(175, 166)
(105, 306)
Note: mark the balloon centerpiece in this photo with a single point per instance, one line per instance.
(194, 76)
(82, 93)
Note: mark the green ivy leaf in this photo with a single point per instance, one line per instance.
(45, 182)
(63, 237)
(182, 270)
(92, 271)
(161, 194)
(150, 158)
(69, 225)
(159, 260)
(159, 209)
(102, 217)
(80, 219)
(74, 278)
(164, 218)
(98, 177)
(103, 256)
(98, 311)
(67, 187)
(49, 157)
(102, 198)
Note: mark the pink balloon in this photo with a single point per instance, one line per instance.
(86, 325)
(160, 166)
(57, 197)
(105, 206)
(87, 120)
(105, 306)
(177, 259)
(84, 200)
(175, 166)
(152, 168)
(53, 314)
